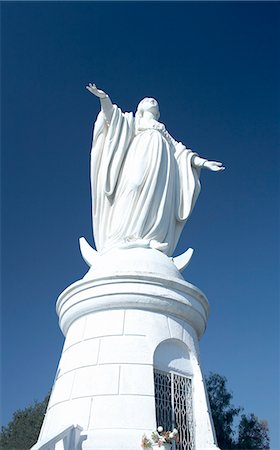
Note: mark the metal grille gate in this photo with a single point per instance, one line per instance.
(173, 398)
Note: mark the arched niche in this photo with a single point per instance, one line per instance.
(173, 355)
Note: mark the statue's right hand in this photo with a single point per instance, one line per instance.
(93, 89)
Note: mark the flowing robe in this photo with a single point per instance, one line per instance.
(143, 186)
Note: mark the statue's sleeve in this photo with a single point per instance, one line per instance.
(188, 180)
(109, 148)
(119, 137)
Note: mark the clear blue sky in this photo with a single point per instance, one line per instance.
(214, 68)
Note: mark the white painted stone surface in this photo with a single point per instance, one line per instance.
(132, 311)
(144, 183)
(173, 355)
(99, 324)
(135, 379)
(81, 354)
(76, 333)
(117, 329)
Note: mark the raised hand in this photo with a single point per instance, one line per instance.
(98, 92)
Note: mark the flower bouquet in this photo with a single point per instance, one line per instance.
(160, 438)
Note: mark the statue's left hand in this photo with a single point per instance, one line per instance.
(214, 165)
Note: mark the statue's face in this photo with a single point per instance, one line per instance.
(151, 105)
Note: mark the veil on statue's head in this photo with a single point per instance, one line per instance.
(140, 110)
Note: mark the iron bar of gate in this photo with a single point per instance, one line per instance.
(173, 399)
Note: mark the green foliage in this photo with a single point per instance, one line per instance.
(223, 412)
(252, 432)
(23, 430)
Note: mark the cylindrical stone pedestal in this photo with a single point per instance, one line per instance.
(132, 313)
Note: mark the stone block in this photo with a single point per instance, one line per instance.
(147, 323)
(136, 379)
(62, 389)
(122, 411)
(77, 411)
(80, 355)
(176, 327)
(96, 380)
(124, 349)
(75, 332)
(104, 323)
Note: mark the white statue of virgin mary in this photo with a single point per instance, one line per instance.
(144, 183)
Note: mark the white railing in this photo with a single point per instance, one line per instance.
(67, 439)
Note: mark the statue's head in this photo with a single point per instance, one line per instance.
(148, 104)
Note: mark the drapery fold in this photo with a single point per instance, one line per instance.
(143, 186)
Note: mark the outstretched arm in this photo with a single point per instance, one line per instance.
(197, 161)
(105, 101)
(215, 166)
